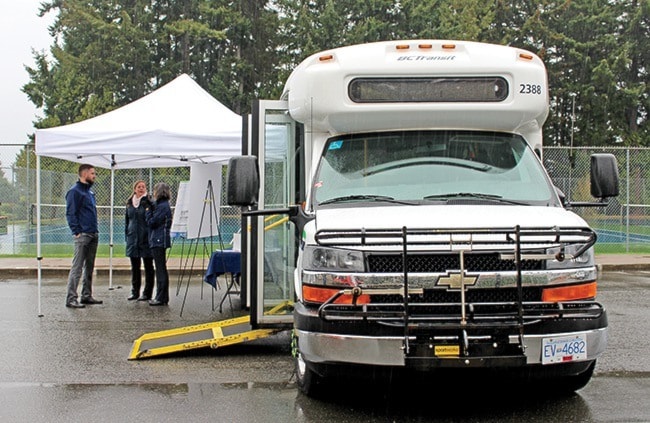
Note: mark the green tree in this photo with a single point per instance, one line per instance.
(109, 53)
(635, 71)
(247, 65)
(596, 55)
(102, 60)
(8, 193)
(446, 19)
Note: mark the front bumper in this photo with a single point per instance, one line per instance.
(490, 344)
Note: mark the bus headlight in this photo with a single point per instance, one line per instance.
(586, 259)
(318, 258)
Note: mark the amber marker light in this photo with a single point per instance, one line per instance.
(525, 56)
(319, 295)
(425, 46)
(569, 293)
(326, 57)
(448, 46)
(402, 47)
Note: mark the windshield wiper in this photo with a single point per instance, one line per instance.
(482, 167)
(364, 197)
(489, 197)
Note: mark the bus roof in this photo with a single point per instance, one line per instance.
(318, 90)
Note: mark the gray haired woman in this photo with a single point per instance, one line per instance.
(159, 220)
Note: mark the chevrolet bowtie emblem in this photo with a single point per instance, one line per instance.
(453, 280)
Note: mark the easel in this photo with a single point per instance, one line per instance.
(210, 203)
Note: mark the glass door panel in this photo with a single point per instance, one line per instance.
(275, 236)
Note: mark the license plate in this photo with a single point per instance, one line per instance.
(564, 349)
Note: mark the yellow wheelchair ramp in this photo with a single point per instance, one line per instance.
(213, 335)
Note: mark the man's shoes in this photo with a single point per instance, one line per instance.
(156, 303)
(74, 304)
(132, 297)
(143, 298)
(91, 300)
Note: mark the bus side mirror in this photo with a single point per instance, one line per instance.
(604, 175)
(243, 181)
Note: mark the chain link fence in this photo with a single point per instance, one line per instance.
(622, 225)
(18, 207)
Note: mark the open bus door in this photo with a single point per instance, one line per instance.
(270, 248)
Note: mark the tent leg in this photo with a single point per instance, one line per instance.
(110, 244)
(38, 230)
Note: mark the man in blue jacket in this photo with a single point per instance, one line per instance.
(81, 213)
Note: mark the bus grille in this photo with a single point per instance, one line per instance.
(498, 295)
(440, 263)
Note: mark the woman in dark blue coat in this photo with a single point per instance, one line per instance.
(159, 220)
(136, 234)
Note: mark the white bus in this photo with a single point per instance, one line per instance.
(396, 197)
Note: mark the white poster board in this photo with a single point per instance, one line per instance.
(204, 200)
(181, 211)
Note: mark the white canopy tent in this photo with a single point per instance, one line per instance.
(176, 125)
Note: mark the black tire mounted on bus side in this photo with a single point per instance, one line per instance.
(309, 382)
(573, 383)
(558, 385)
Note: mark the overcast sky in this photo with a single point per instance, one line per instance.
(20, 30)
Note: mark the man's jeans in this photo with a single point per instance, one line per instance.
(83, 261)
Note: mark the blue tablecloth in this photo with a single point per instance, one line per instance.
(221, 262)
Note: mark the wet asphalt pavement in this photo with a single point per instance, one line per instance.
(71, 365)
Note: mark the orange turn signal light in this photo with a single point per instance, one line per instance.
(314, 294)
(569, 293)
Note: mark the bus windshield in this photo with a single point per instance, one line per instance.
(429, 167)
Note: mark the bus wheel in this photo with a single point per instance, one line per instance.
(562, 385)
(309, 382)
(579, 381)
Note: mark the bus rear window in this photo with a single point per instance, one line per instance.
(428, 90)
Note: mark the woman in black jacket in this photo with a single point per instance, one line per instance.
(136, 235)
(159, 219)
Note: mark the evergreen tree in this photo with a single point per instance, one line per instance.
(110, 53)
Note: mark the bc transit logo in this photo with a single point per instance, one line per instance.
(422, 58)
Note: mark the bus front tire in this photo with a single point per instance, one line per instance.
(309, 382)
